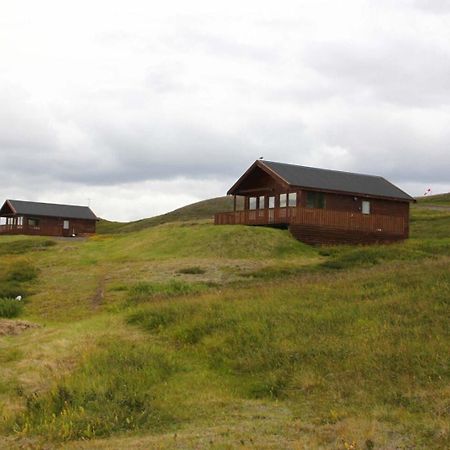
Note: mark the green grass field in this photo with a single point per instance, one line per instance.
(189, 335)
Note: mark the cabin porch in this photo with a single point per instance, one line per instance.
(322, 226)
(12, 225)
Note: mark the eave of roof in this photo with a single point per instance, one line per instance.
(326, 180)
(51, 210)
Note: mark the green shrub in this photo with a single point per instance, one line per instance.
(9, 307)
(10, 289)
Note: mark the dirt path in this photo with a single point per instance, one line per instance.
(9, 327)
(97, 299)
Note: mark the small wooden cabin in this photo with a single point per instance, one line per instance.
(320, 206)
(46, 219)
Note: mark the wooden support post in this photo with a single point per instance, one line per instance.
(234, 203)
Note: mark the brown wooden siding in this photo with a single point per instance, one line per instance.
(313, 234)
(350, 203)
(323, 225)
(51, 226)
(337, 202)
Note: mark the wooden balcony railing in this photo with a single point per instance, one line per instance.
(10, 229)
(19, 229)
(321, 217)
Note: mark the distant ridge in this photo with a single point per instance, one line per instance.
(202, 210)
(435, 199)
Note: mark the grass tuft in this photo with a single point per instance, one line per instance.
(10, 308)
(144, 290)
(110, 392)
(11, 290)
(22, 272)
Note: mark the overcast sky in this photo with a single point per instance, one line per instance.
(139, 107)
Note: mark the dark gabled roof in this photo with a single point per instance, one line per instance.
(51, 210)
(333, 180)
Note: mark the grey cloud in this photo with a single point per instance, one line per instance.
(22, 124)
(434, 6)
(120, 148)
(391, 147)
(164, 150)
(411, 73)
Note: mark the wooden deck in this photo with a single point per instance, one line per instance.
(34, 231)
(323, 226)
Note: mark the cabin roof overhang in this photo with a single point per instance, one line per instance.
(235, 190)
(7, 209)
(50, 210)
(283, 181)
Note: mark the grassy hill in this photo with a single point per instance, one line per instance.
(203, 210)
(190, 335)
(439, 199)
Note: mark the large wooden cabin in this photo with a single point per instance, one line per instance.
(46, 219)
(320, 206)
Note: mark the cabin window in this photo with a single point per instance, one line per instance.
(20, 221)
(365, 207)
(262, 200)
(33, 223)
(252, 203)
(271, 202)
(283, 200)
(292, 199)
(315, 200)
(66, 224)
(2, 220)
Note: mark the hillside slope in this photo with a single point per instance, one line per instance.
(202, 210)
(191, 335)
(438, 199)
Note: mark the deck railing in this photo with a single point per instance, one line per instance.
(322, 217)
(11, 229)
